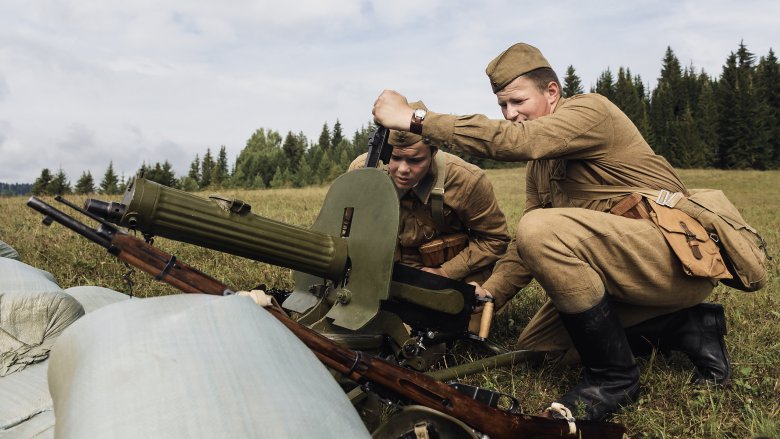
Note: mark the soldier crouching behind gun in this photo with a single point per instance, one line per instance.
(459, 235)
(601, 271)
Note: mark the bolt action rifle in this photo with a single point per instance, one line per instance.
(373, 373)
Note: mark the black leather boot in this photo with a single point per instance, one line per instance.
(610, 377)
(697, 332)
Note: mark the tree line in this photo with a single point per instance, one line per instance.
(692, 119)
(698, 121)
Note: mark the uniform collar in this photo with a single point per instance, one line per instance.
(561, 101)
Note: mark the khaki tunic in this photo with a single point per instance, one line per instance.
(470, 207)
(577, 255)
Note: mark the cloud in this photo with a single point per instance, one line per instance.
(4, 90)
(88, 82)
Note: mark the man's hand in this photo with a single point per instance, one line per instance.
(436, 270)
(392, 110)
(481, 292)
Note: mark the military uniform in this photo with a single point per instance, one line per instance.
(470, 207)
(586, 141)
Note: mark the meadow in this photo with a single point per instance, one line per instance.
(669, 407)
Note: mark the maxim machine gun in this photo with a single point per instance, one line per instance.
(349, 297)
(347, 286)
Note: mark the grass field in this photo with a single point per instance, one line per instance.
(669, 407)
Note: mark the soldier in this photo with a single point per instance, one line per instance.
(601, 272)
(465, 229)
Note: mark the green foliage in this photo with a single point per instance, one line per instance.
(767, 84)
(220, 172)
(60, 185)
(85, 184)
(41, 184)
(11, 189)
(160, 173)
(194, 173)
(324, 141)
(572, 85)
(110, 183)
(605, 85)
(206, 169)
(294, 146)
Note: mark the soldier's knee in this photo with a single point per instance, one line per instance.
(537, 226)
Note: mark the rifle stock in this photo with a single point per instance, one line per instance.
(356, 366)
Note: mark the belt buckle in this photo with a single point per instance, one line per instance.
(666, 198)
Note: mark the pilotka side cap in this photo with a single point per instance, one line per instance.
(518, 60)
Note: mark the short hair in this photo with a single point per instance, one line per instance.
(542, 77)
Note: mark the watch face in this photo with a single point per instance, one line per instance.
(419, 114)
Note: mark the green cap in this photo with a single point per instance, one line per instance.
(402, 139)
(518, 60)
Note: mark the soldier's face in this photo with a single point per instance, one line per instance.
(410, 164)
(521, 100)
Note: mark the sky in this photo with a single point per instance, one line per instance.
(88, 82)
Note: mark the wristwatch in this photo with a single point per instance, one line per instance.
(417, 119)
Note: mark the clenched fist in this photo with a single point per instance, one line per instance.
(392, 110)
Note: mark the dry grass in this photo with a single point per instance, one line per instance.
(669, 408)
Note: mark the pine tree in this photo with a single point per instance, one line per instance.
(666, 107)
(628, 98)
(195, 169)
(324, 142)
(41, 184)
(304, 176)
(690, 150)
(707, 121)
(293, 149)
(605, 85)
(85, 184)
(743, 143)
(59, 184)
(768, 90)
(167, 176)
(338, 135)
(206, 169)
(220, 173)
(323, 170)
(278, 180)
(572, 85)
(108, 186)
(726, 100)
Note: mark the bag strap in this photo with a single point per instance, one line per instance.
(602, 192)
(437, 193)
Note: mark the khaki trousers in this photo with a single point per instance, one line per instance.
(578, 255)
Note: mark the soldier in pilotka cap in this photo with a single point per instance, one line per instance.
(450, 222)
(586, 235)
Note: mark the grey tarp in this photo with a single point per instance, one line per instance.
(192, 366)
(26, 409)
(33, 312)
(6, 251)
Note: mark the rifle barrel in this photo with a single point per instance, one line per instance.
(69, 222)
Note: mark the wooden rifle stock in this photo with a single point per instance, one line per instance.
(355, 365)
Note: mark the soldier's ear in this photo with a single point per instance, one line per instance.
(552, 92)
